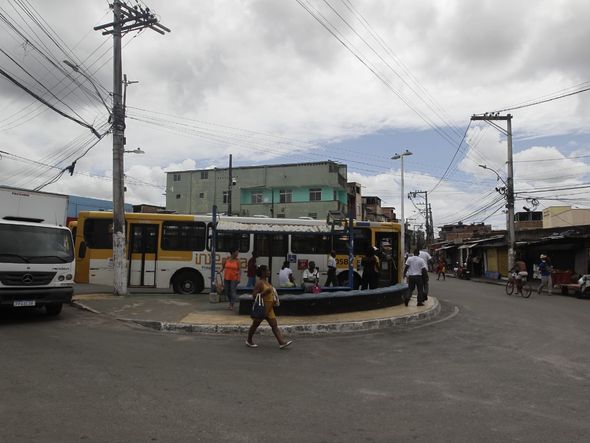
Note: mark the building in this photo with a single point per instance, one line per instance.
(283, 191)
(565, 216)
(389, 213)
(355, 200)
(461, 231)
(528, 220)
(372, 210)
(146, 208)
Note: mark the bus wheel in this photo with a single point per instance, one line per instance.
(188, 282)
(53, 309)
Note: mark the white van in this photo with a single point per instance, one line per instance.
(36, 265)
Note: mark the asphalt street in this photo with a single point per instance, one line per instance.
(490, 368)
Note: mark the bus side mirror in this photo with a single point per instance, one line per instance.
(82, 250)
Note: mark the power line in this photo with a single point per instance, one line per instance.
(42, 100)
(545, 100)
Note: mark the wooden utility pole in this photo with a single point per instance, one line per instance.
(125, 19)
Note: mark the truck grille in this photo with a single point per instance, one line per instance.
(26, 278)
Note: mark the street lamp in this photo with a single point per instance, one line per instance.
(135, 151)
(403, 228)
(77, 69)
(508, 193)
(495, 172)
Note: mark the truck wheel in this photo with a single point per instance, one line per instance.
(53, 309)
(188, 283)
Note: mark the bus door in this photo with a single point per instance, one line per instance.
(143, 248)
(386, 243)
(272, 252)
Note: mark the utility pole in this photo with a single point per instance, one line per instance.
(431, 225)
(489, 118)
(427, 215)
(229, 186)
(125, 19)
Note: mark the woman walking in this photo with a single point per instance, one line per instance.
(231, 277)
(268, 294)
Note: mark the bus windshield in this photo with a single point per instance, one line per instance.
(35, 244)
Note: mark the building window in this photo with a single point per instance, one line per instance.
(177, 196)
(315, 194)
(256, 198)
(176, 177)
(313, 215)
(204, 175)
(201, 195)
(280, 215)
(335, 195)
(225, 196)
(285, 196)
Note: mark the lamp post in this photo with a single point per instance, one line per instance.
(134, 151)
(403, 228)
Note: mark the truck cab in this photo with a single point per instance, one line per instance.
(36, 265)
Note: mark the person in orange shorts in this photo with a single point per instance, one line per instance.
(231, 277)
(269, 295)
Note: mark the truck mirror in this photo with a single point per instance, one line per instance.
(82, 250)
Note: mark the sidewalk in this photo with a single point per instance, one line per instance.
(167, 311)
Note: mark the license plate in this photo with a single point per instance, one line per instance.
(20, 303)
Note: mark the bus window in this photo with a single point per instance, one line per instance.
(226, 241)
(265, 243)
(310, 244)
(183, 236)
(98, 233)
(362, 242)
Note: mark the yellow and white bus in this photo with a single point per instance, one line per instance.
(174, 250)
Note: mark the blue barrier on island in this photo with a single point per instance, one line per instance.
(328, 302)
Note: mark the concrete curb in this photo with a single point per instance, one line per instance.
(307, 329)
(84, 307)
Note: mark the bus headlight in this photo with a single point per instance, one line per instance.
(69, 277)
(61, 278)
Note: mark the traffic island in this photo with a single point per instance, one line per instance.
(322, 303)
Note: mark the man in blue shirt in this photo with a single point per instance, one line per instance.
(545, 271)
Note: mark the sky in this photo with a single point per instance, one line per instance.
(268, 81)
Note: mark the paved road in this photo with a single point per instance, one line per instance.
(498, 369)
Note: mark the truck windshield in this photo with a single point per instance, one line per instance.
(35, 244)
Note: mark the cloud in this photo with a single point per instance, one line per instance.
(270, 68)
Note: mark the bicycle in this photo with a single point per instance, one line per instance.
(525, 289)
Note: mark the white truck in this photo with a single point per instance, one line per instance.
(42, 207)
(36, 255)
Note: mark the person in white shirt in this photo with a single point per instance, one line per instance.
(424, 255)
(415, 271)
(310, 276)
(286, 276)
(331, 280)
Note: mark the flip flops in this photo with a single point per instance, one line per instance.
(286, 344)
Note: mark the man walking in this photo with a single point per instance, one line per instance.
(416, 271)
(545, 271)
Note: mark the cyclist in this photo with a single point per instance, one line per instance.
(520, 273)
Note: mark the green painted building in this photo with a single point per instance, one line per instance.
(283, 191)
